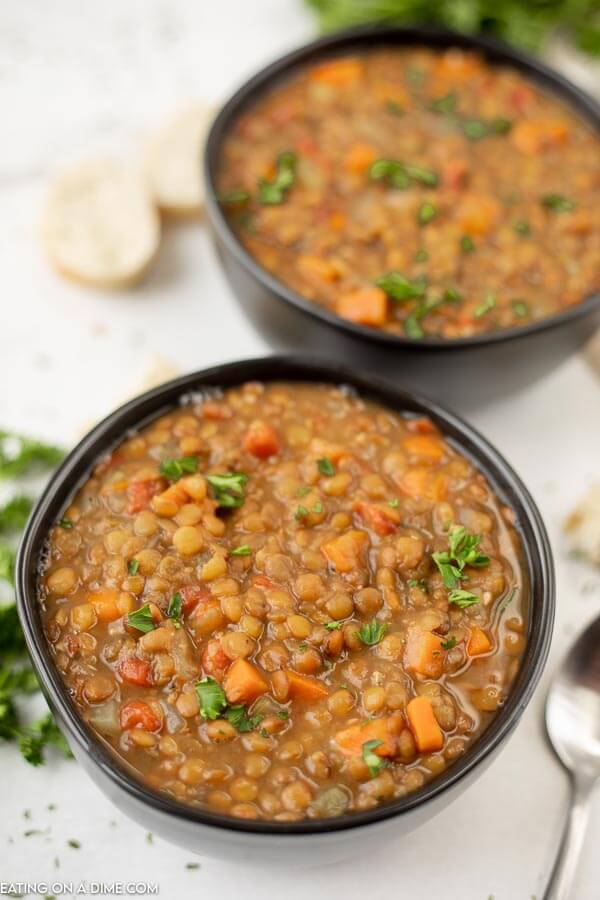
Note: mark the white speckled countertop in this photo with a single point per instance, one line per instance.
(88, 79)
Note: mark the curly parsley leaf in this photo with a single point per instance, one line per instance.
(374, 762)
(228, 488)
(399, 287)
(241, 721)
(174, 608)
(272, 193)
(372, 632)
(20, 455)
(462, 599)
(326, 467)
(35, 738)
(463, 550)
(141, 619)
(211, 698)
(174, 469)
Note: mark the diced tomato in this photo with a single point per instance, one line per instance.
(261, 440)
(380, 519)
(140, 493)
(134, 670)
(213, 410)
(521, 97)
(214, 660)
(192, 595)
(137, 714)
(421, 426)
(454, 173)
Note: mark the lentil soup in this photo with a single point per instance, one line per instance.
(426, 193)
(283, 601)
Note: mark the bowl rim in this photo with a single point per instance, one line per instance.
(496, 52)
(75, 469)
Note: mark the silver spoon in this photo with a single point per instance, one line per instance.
(573, 724)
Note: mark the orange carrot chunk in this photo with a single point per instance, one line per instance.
(139, 493)
(338, 72)
(244, 683)
(421, 483)
(261, 440)
(382, 519)
(105, 604)
(351, 740)
(366, 306)
(359, 158)
(426, 448)
(134, 670)
(346, 552)
(423, 653)
(424, 726)
(304, 688)
(137, 714)
(478, 643)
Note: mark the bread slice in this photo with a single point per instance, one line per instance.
(99, 225)
(583, 525)
(173, 161)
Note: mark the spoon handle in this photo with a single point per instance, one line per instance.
(560, 886)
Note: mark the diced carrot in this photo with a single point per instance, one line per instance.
(454, 173)
(423, 653)
(214, 660)
(139, 493)
(317, 269)
(134, 670)
(534, 137)
(320, 448)
(351, 740)
(426, 448)
(359, 158)
(381, 519)
(304, 688)
(424, 725)
(105, 603)
(423, 483)
(137, 714)
(211, 409)
(346, 552)
(338, 72)
(478, 643)
(337, 221)
(366, 306)
(521, 97)
(422, 425)
(261, 440)
(478, 213)
(192, 595)
(454, 67)
(244, 683)
(263, 581)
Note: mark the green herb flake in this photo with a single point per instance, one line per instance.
(283, 714)
(301, 512)
(520, 309)
(486, 306)
(238, 717)
(303, 491)
(427, 212)
(423, 175)
(192, 866)
(463, 550)
(174, 469)
(374, 762)
(399, 287)
(132, 566)
(302, 646)
(229, 488)
(558, 203)
(394, 108)
(462, 599)
(211, 698)
(474, 129)
(238, 197)
(65, 523)
(242, 550)
(413, 328)
(394, 503)
(174, 608)
(391, 171)
(500, 126)
(372, 632)
(445, 105)
(317, 508)
(522, 227)
(76, 845)
(466, 244)
(334, 626)
(449, 643)
(141, 619)
(273, 193)
(421, 256)
(451, 295)
(326, 467)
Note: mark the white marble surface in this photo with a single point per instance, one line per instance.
(85, 79)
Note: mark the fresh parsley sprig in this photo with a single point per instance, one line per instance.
(463, 550)
(214, 705)
(229, 488)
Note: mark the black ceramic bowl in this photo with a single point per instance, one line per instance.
(473, 368)
(282, 842)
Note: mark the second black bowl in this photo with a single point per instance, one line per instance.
(472, 369)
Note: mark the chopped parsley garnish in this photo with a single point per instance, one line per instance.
(334, 626)
(13, 515)
(174, 469)
(301, 512)
(462, 599)
(444, 105)
(500, 126)
(35, 738)
(372, 632)
(242, 550)
(421, 256)
(214, 705)
(76, 845)
(317, 508)
(399, 287)
(228, 488)
(326, 467)
(522, 227)
(211, 698)
(302, 646)
(412, 327)
(422, 174)
(394, 503)
(427, 212)
(65, 523)
(451, 295)
(374, 762)
(463, 550)
(558, 203)
(486, 306)
(474, 129)
(520, 309)
(175, 607)
(449, 644)
(234, 198)
(392, 171)
(418, 583)
(394, 108)
(20, 455)
(141, 619)
(303, 491)
(272, 193)
(133, 566)
(283, 714)
(466, 244)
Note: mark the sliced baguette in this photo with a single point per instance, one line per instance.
(173, 161)
(99, 225)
